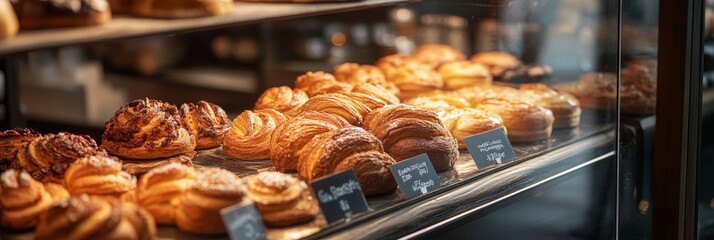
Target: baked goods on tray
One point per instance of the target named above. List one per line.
(47, 158)
(42, 14)
(356, 74)
(465, 122)
(23, 199)
(159, 190)
(339, 105)
(207, 122)
(410, 75)
(460, 74)
(282, 199)
(11, 141)
(99, 175)
(524, 121)
(249, 136)
(181, 8)
(283, 99)
(437, 54)
(565, 107)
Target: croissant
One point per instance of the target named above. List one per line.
(46, 158)
(199, 208)
(23, 200)
(342, 149)
(565, 107)
(282, 200)
(438, 54)
(207, 122)
(159, 190)
(356, 74)
(524, 120)
(283, 99)
(303, 82)
(460, 74)
(328, 86)
(469, 121)
(10, 142)
(93, 217)
(295, 133)
(98, 175)
(339, 105)
(249, 137)
(376, 91)
(407, 131)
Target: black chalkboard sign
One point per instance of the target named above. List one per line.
(243, 222)
(489, 148)
(340, 195)
(415, 176)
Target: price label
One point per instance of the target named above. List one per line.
(243, 222)
(340, 195)
(490, 148)
(415, 176)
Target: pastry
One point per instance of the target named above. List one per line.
(283, 99)
(160, 188)
(328, 86)
(8, 20)
(460, 74)
(303, 82)
(438, 54)
(207, 122)
(413, 78)
(565, 107)
(482, 92)
(99, 175)
(497, 62)
(41, 14)
(281, 199)
(181, 8)
(342, 149)
(199, 208)
(10, 142)
(290, 137)
(46, 158)
(439, 101)
(92, 217)
(407, 131)
(249, 136)
(524, 120)
(466, 122)
(339, 105)
(376, 91)
(121, 6)
(148, 133)
(356, 74)
(22, 200)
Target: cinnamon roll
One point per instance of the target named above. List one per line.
(524, 120)
(303, 82)
(469, 121)
(22, 200)
(10, 142)
(565, 107)
(98, 175)
(159, 190)
(46, 158)
(438, 54)
(460, 74)
(249, 136)
(283, 99)
(282, 200)
(339, 105)
(207, 122)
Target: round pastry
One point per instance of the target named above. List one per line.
(283, 99)
(99, 175)
(290, 137)
(439, 101)
(524, 121)
(497, 62)
(46, 158)
(22, 200)
(346, 148)
(199, 208)
(11, 141)
(330, 86)
(469, 121)
(565, 107)
(57, 191)
(8, 20)
(408, 131)
(41, 14)
(438, 54)
(303, 82)
(479, 93)
(207, 122)
(282, 200)
(249, 137)
(594, 90)
(414, 78)
(376, 91)
(159, 190)
(339, 105)
(460, 74)
(121, 6)
(92, 217)
(181, 8)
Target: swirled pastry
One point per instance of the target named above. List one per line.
(438, 54)
(46, 158)
(283, 99)
(303, 82)
(346, 148)
(93, 217)
(329, 86)
(565, 107)
(408, 131)
(98, 175)
(22, 200)
(524, 120)
(159, 190)
(339, 105)
(199, 208)
(290, 137)
(10, 142)
(469, 121)
(282, 200)
(207, 122)
(460, 74)
(249, 137)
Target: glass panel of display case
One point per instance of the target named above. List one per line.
(705, 191)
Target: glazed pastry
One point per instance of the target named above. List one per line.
(498, 63)
(249, 137)
(282, 200)
(469, 121)
(346, 148)
(407, 131)
(330, 86)
(414, 78)
(159, 190)
(182, 8)
(283, 99)
(10, 142)
(93, 217)
(339, 105)
(41, 14)
(303, 82)
(46, 158)
(438, 54)
(207, 122)
(199, 208)
(22, 200)
(99, 175)
(290, 137)
(460, 74)
(524, 120)
(376, 91)
(565, 107)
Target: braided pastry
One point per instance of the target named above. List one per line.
(294, 134)
(249, 136)
(524, 120)
(469, 121)
(438, 54)
(407, 131)
(283, 99)
(199, 208)
(565, 107)
(11, 141)
(23, 200)
(98, 175)
(159, 190)
(93, 217)
(207, 122)
(346, 148)
(339, 105)
(462, 74)
(303, 82)
(46, 158)
(282, 200)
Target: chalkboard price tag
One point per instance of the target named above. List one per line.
(489, 148)
(243, 222)
(340, 195)
(415, 176)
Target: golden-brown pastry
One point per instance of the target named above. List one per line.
(99, 175)
(46, 158)
(469, 121)
(329, 86)
(249, 137)
(346, 148)
(407, 131)
(159, 190)
(282, 199)
(40, 14)
(356, 74)
(283, 99)
(497, 62)
(207, 122)
(93, 217)
(482, 92)
(438, 54)
(182, 8)
(339, 105)
(303, 82)
(376, 91)
(199, 208)
(460, 74)
(22, 200)
(524, 120)
(439, 101)
(290, 137)
(10, 142)
(8, 20)
(57, 191)
(413, 78)
(565, 107)
(120, 6)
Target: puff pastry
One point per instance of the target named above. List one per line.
(438, 54)
(524, 120)
(356, 74)
(460, 74)
(565, 107)
(46, 158)
(23, 200)
(303, 82)
(282, 200)
(249, 137)
(283, 99)
(207, 122)
(469, 121)
(98, 175)
(376, 91)
(159, 190)
(11, 141)
(329, 86)
(412, 77)
(339, 105)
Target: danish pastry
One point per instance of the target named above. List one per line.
(249, 136)
(303, 82)
(22, 200)
(282, 200)
(46, 158)
(10, 142)
(283, 99)
(339, 105)
(99, 175)
(207, 122)
(160, 188)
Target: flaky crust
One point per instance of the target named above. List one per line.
(565, 107)
(303, 82)
(461, 74)
(339, 105)
(290, 137)
(22, 200)
(207, 122)
(283, 99)
(11, 141)
(181, 8)
(469, 121)
(356, 74)
(282, 200)
(159, 190)
(524, 120)
(98, 175)
(479, 93)
(329, 86)
(376, 91)
(250, 133)
(46, 158)
(147, 129)
(413, 78)
(438, 54)
(346, 148)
